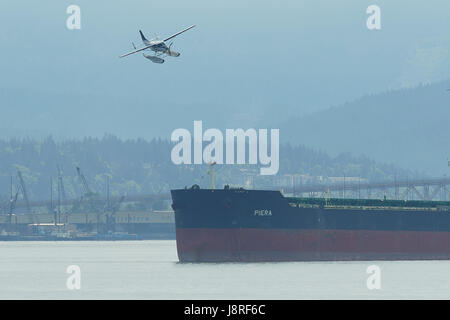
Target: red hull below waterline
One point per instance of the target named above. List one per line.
(253, 245)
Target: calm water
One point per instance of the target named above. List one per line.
(149, 270)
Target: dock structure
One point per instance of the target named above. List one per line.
(145, 224)
(144, 198)
(147, 216)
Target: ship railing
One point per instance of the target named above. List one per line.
(380, 208)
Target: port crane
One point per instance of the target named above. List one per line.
(24, 190)
(92, 204)
(61, 189)
(111, 218)
(13, 201)
(12, 206)
(86, 189)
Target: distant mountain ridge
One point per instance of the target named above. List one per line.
(408, 127)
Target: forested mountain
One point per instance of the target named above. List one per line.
(140, 166)
(409, 127)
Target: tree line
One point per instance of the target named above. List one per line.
(139, 166)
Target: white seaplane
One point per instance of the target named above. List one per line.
(159, 47)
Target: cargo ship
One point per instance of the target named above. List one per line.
(239, 225)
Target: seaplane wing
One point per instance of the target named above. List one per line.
(180, 32)
(158, 46)
(135, 51)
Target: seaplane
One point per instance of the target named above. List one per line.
(160, 48)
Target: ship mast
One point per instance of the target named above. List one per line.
(211, 174)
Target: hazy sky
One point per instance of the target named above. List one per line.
(245, 64)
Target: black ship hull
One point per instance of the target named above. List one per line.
(257, 225)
